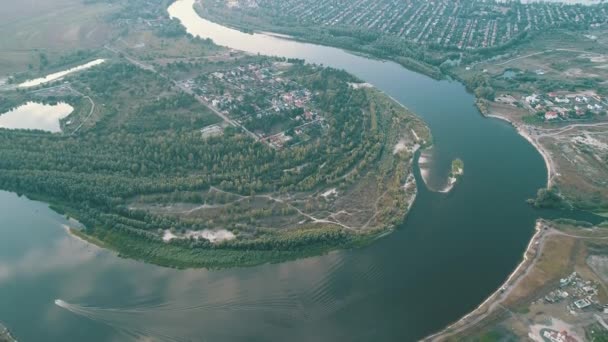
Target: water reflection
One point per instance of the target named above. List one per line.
(34, 115)
(59, 75)
(450, 254)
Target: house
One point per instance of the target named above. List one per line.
(532, 99)
(564, 100)
(582, 303)
(551, 115)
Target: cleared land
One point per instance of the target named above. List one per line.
(52, 28)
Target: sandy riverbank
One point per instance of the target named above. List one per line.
(495, 299)
(523, 131)
(74, 234)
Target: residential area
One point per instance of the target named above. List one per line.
(262, 98)
(561, 106)
(449, 24)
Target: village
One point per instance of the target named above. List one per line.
(564, 106)
(579, 294)
(577, 298)
(448, 24)
(260, 98)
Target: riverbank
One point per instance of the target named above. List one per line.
(489, 306)
(303, 35)
(566, 264)
(5, 334)
(523, 131)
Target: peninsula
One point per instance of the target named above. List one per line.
(226, 159)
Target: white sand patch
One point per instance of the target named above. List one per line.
(415, 135)
(424, 158)
(424, 172)
(207, 234)
(590, 141)
(400, 146)
(403, 146)
(330, 192)
(360, 85)
(449, 186)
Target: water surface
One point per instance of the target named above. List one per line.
(451, 253)
(34, 115)
(59, 75)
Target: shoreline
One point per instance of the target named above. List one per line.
(423, 68)
(75, 234)
(489, 305)
(537, 145)
(492, 301)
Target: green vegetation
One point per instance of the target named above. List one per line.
(596, 333)
(143, 149)
(457, 168)
(547, 198)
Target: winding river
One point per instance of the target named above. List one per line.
(451, 253)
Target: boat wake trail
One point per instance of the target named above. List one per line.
(120, 320)
(196, 313)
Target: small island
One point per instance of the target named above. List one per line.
(456, 172)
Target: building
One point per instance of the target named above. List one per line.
(582, 303)
(551, 115)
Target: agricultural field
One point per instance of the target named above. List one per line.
(37, 34)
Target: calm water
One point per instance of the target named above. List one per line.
(59, 75)
(451, 253)
(33, 115)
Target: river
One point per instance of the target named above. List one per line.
(451, 253)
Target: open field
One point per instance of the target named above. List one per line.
(546, 293)
(54, 28)
(146, 46)
(581, 159)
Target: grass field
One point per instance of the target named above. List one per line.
(53, 27)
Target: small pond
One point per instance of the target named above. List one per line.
(34, 115)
